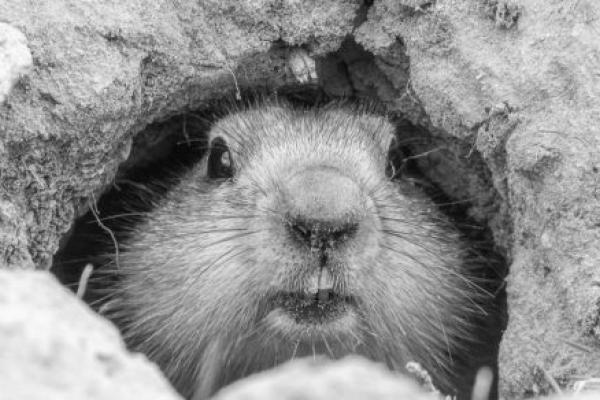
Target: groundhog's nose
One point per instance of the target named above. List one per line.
(323, 207)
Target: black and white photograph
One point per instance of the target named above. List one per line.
(300, 199)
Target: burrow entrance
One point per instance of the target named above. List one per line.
(448, 169)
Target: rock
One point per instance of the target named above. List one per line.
(104, 70)
(15, 58)
(52, 346)
(350, 378)
(517, 81)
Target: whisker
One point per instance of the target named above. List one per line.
(464, 279)
(327, 346)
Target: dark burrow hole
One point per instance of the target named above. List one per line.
(165, 150)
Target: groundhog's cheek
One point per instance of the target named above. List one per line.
(361, 252)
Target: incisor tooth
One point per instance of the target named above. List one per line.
(325, 279)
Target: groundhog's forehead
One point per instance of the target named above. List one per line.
(273, 124)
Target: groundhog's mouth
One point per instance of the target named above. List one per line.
(319, 308)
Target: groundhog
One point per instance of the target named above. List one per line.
(293, 236)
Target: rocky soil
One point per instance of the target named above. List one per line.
(52, 347)
(508, 90)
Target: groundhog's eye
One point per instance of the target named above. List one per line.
(220, 164)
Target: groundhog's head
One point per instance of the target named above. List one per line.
(291, 238)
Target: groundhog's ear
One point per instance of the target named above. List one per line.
(382, 130)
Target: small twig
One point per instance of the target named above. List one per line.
(421, 373)
(83, 280)
(424, 379)
(578, 346)
(425, 153)
(550, 379)
(238, 93)
(184, 129)
(96, 213)
(483, 384)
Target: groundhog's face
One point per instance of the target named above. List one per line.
(291, 239)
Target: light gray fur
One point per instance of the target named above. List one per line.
(195, 274)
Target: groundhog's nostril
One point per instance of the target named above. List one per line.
(322, 206)
(320, 234)
(300, 230)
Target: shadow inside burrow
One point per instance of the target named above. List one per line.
(166, 150)
(160, 155)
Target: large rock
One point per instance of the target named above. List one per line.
(54, 347)
(351, 378)
(517, 81)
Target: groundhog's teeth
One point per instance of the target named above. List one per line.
(313, 285)
(321, 285)
(325, 280)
